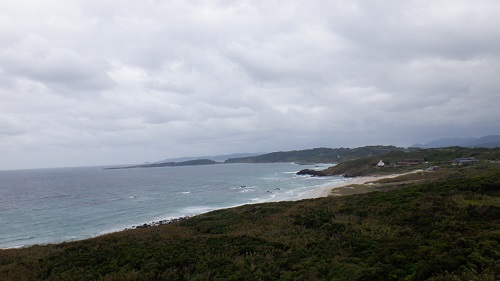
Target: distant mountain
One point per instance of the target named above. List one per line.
(444, 142)
(487, 141)
(217, 158)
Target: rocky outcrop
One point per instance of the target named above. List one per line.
(310, 172)
(158, 223)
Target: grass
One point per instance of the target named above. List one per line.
(441, 157)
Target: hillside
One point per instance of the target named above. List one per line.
(317, 155)
(446, 229)
(397, 161)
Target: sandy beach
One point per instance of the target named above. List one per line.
(342, 188)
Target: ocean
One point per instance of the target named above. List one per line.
(54, 205)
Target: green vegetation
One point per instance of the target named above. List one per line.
(441, 229)
(318, 155)
(441, 157)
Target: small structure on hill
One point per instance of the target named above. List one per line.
(465, 160)
(431, 168)
(380, 163)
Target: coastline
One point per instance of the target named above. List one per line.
(343, 188)
(323, 190)
(137, 198)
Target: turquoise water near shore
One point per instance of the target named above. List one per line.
(55, 205)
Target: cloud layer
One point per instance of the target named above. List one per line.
(102, 82)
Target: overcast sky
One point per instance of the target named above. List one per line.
(113, 82)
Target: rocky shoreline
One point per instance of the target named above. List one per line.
(158, 223)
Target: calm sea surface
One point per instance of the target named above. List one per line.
(54, 205)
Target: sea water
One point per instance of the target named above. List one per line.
(55, 205)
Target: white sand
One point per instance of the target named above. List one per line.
(325, 191)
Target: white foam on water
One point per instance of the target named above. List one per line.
(55, 205)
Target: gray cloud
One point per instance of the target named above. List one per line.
(57, 68)
(87, 82)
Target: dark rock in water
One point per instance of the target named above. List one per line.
(310, 172)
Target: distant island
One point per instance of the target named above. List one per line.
(169, 164)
